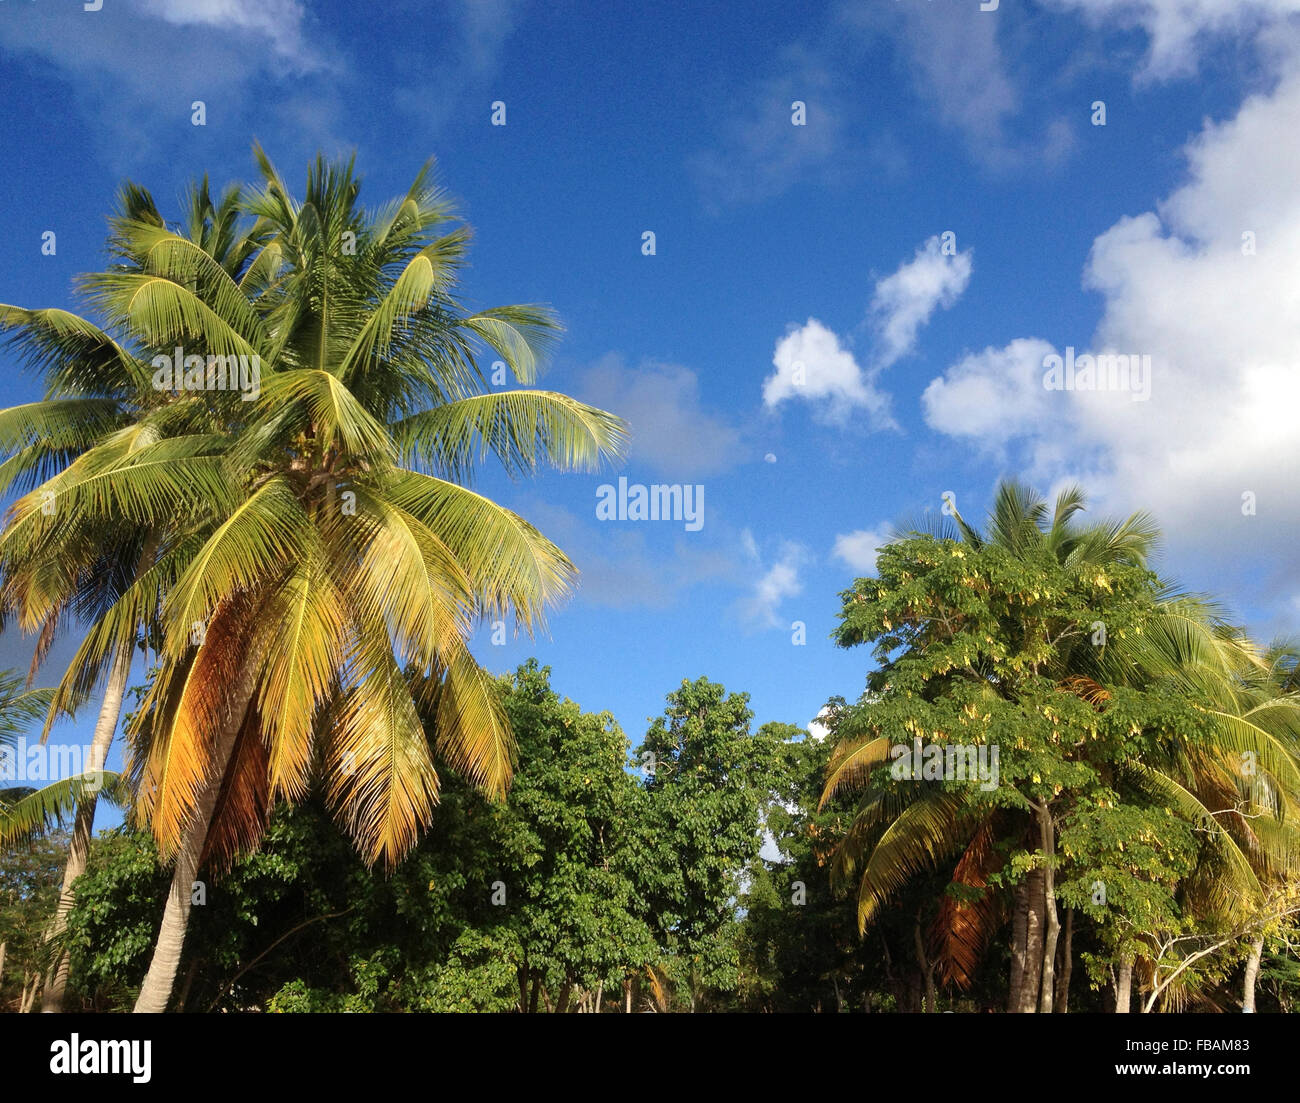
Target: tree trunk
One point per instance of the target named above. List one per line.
(600, 995)
(1124, 986)
(156, 991)
(110, 710)
(1067, 965)
(1029, 985)
(190, 974)
(1019, 936)
(1047, 836)
(930, 1002)
(1252, 971)
(627, 996)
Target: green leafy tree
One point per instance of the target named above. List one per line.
(334, 539)
(1053, 643)
(707, 781)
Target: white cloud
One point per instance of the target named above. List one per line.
(811, 364)
(669, 429)
(904, 301)
(858, 549)
(1223, 331)
(780, 581)
(280, 21)
(1179, 29)
(952, 54)
(991, 394)
(817, 727)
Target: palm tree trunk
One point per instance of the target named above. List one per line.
(1067, 965)
(1252, 972)
(110, 710)
(1124, 986)
(156, 991)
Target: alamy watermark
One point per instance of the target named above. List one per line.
(179, 372)
(945, 762)
(46, 762)
(638, 502)
(1104, 372)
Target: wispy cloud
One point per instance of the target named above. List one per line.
(761, 152)
(906, 300)
(671, 432)
(776, 581)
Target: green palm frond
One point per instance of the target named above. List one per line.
(520, 428)
(52, 806)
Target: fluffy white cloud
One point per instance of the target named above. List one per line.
(858, 549)
(814, 364)
(1219, 314)
(811, 364)
(992, 394)
(904, 301)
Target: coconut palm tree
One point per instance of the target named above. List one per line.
(330, 561)
(899, 830)
(80, 453)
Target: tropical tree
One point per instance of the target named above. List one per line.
(331, 560)
(1052, 642)
(707, 779)
(101, 455)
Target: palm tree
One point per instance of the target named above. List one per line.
(900, 830)
(95, 545)
(331, 559)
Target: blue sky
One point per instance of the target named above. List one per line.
(776, 245)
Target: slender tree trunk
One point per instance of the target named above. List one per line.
(1067, 965)
(1047, 835)
(1019, 937)
(188, 984)
(562, 999)
(600, 995)
(1124, 986)
(1252, 972)
(1029, 986)
(535, 995)
(627, 996)
(930, 1003)
(110, 710)
(156, 991)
